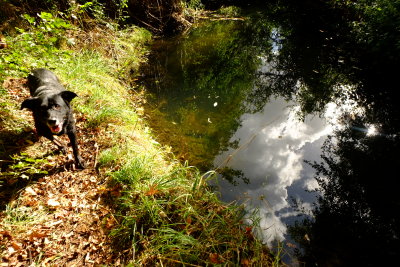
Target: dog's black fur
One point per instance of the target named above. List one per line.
(50, 105)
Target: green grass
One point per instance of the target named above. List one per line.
(19, 218)
(173, 215)
(165, 214)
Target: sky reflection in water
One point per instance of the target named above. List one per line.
(273, 146)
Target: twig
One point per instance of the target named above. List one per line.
(96, 155)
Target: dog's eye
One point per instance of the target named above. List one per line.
(56, 107)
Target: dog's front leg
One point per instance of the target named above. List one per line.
(79, 164)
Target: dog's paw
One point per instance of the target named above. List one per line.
(79, 164)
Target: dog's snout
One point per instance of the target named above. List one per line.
(52, 122)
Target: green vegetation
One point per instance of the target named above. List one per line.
(199, 97)
(25, 167)
(152, 209)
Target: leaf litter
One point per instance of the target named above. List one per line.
(60, 218)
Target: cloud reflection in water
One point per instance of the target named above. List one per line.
(272, 158)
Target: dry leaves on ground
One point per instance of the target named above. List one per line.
(69, 224)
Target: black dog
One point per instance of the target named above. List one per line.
(50, 105)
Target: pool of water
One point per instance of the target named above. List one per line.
(202, 106)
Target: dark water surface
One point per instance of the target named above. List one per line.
(281, 107)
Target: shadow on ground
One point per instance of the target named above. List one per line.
(12, 178)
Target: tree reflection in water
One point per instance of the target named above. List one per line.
(356, 221)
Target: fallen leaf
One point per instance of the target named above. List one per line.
(248, 232)
(74, 203)
(110, 223)
(56, 223)
(31, 202)
(15, 245)
(53, 203)
(152, 190)
(214, 258)
(12, 181)
(30, 191)
(6, 234)
(245, 262)
(11, 250)
(36, 234)
(69, 234)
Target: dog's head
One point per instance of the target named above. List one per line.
(51, 110)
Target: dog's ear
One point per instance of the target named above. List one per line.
(30, 103)
(68, 95)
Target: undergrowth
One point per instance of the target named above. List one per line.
(164, 212)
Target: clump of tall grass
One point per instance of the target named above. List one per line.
(166, 213)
